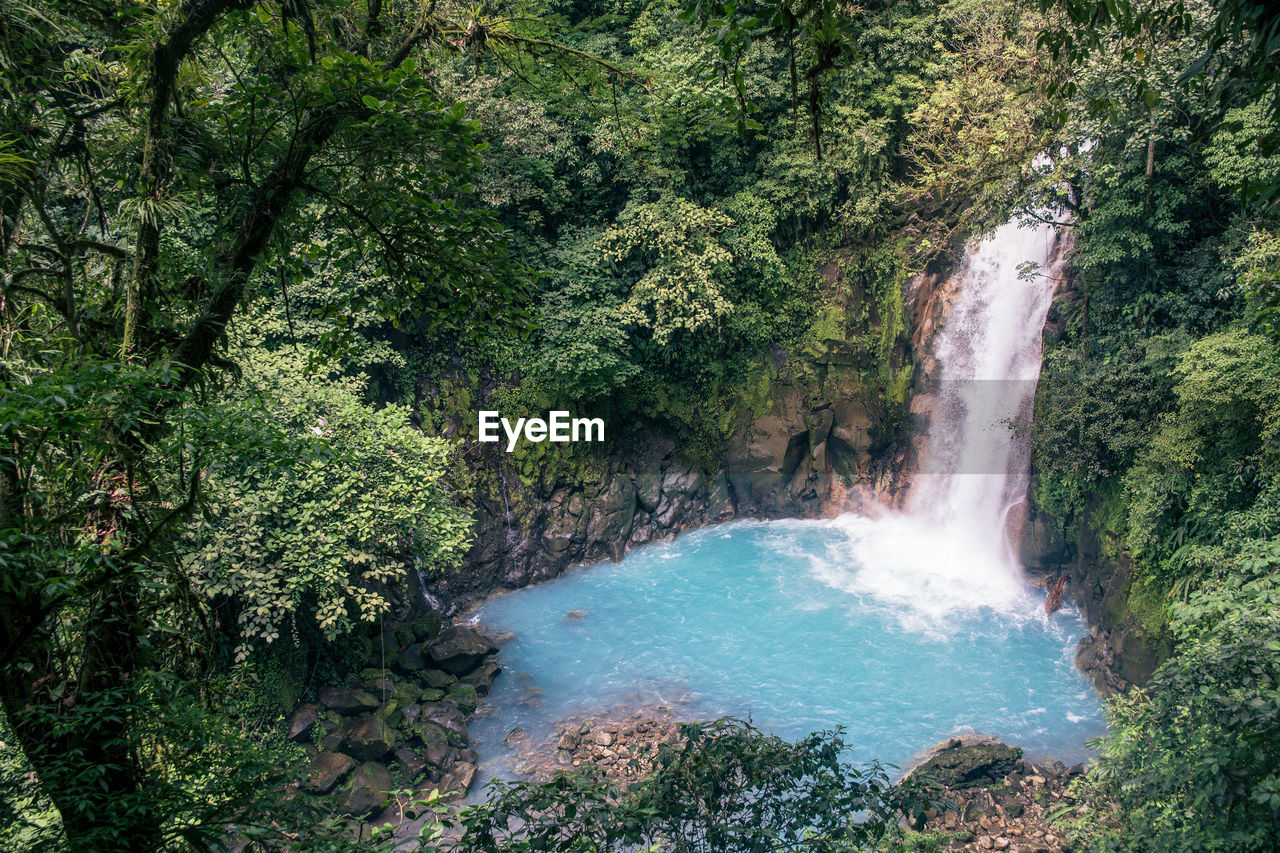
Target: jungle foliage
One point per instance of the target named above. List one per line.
(236, 235)
(1155, 427)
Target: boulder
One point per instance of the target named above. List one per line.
(366, 790)
(958, 765)
(446, 716)
(649, 489)
(440, 755)
(369, 738)
(347, 701)
(377, 681)
(301, 720)
(327, 770)
(412, 762)
(436, 678)
(405, 693)
(334, 731)
(413, 659)
(465, 696)
(458, 779)
(459, 649)
(427, 626)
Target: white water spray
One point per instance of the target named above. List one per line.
(951, 549)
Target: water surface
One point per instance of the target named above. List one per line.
(781, 623)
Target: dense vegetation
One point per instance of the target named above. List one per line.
(1157, 415)
(236, 236)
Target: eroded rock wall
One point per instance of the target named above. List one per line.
(809, 437)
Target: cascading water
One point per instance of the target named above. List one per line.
(951, 548)
(904, 628)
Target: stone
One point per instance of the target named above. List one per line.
(428, 626)
(458, 779)
(602, 738)
(440, 755)
(436, 678)
(430, 694)
(326, 771)
(484, 676)
(465, 696)
(968, 766)
(447, 715)
(301, 720)
(459, 649)
(412, 762)
(413, 659)
(366, 790)
(648, 489)
(377, 681)
(347, 701)
(369, 738)
(564, 757)
(410, 714)
(431, 732)
(405, 693)
(515, 736)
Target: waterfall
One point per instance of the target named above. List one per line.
(951, 549)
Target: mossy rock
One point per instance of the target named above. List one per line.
(405, 693)
(465, 696)
(431, 694)
(436, 678)
(366, 790)
(977, 765)
(426, 628)
(431, 733)
(369, 738)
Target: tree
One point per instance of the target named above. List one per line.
(169, 164)
(1191, 760)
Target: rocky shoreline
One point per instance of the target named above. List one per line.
(621, 743)
(996, 799)
(397, 727)
(993, 798)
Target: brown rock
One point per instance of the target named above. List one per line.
(366, 790)
(369, 738)
(347, 701)
(300, 722)
(327, 770)
(459, 649)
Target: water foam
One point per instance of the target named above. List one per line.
(950, 551)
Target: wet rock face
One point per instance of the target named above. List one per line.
(811, 440)
(403, 720)
(1119, 652)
